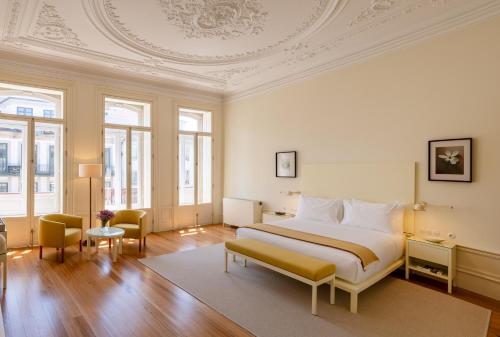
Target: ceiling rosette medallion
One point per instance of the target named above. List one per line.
(222, 19)
(210, 32)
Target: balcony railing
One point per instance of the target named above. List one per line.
(10, 170)
(44, 170)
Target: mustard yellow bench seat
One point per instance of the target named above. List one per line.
(307, 269)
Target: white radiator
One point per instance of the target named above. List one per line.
(241, 212)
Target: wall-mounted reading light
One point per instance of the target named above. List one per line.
(420, 206)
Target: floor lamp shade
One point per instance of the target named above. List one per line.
(90, 170)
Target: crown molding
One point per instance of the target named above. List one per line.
(479, 14)
(102, 78)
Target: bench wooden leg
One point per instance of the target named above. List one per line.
(225, 261)
(314, 299)
(354, 303)
(4, 274)
(332, 291)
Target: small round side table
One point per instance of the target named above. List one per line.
(106, 233)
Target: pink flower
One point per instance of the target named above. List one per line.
(105, 215)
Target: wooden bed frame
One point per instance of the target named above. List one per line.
(376, 182)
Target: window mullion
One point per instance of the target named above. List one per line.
(129, 167)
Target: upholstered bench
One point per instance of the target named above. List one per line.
(307, 269)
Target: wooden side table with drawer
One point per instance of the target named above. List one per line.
(433, 259)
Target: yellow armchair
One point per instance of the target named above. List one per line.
(59, 231)
(133, 222)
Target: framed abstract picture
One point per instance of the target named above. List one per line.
(450, 160)
(286, 164)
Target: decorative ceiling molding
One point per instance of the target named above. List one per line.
(220, 19)
(376, 8)
(51, 26)
(481, 13)
(233, 47)
(14, 8)
(303, 52)
(322, 10)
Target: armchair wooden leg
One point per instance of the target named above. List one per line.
(41, 249)
(144, 244)
(62, 255)
(140, 243)
(109, 243)
(80, 245)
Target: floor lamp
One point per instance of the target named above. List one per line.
(90, 171)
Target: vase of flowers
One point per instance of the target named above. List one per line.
(105, 216)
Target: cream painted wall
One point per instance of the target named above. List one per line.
(385, 109)
(84, 122)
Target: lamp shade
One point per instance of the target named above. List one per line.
(90, 170)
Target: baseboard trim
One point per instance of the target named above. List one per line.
(478, 252)
(478, 271)
(480, 274)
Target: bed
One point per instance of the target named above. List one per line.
(376, 182)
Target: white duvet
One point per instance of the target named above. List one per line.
(387, 247)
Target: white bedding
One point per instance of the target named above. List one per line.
(387, 247)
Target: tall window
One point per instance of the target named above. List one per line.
(31, 150)
(195, 157)
(127, 134)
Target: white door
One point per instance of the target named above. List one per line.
(31, 159)
(14, 187)
(31, 176)
(195, 207)
(128, 156)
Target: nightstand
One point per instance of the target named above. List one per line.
(433, 259)
(270, 216)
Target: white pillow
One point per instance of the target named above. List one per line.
(379, 217)
(319, 209)
(347, 211)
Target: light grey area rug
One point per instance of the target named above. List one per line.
(269, 304)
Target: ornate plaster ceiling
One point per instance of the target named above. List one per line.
(231, 47)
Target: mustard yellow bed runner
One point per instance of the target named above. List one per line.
(364, 254)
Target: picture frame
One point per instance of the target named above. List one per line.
(286, 164)
(450, 160)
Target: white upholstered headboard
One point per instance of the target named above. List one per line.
(376, 182)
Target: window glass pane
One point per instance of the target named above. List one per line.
(48, 168)
(27, 101)
(204, 169)
(13, 172)
(186, 169)
(123, 112)
(141, 169)
(195, 120)
(115, 163)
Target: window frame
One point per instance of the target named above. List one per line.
(6, 168)
(129, 130)
(196, 135)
